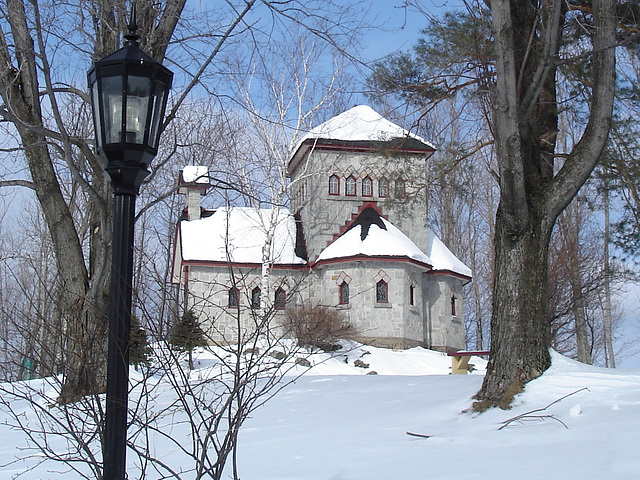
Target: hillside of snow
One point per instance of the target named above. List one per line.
(339, 422)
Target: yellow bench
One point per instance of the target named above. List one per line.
(460, 360)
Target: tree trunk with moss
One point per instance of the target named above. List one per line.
(533, 189)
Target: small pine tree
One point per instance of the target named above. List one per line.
(139, 349)
(187, 335)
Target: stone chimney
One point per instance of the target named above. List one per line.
(193, 182)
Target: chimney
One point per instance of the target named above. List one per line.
(193, 182)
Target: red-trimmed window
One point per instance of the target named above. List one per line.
(255, 298)
(350, 188)
(280, 299)
(344, 293)
(234, 297)
(334, 185)
(383, 187)
(382, 292)
(401, 189)
(367, 187)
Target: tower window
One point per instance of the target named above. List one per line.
(367, 187)
(401, 191)
(382, 292)
(383, 187)
(334, 185)
(412, 295)
(350, 189)
(453, 305)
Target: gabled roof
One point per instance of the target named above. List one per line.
(360, 129)
(238, 234)
(372, 236)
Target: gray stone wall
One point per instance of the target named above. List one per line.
(444, 331)
(395, 321)
(208, 297)
(323, 214)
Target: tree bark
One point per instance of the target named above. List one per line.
(83, 276)
(532, 194)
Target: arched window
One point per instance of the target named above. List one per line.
(383, 187)
(334, 185)
(401, 191)
(344, 293)
(382, 292)
(367, 187)
(453, 305)
(280, 300)
(350, 188)
(255, 297)
(412, 295)
(234, 297)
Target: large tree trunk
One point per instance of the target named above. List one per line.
(532, 192)
(84, 280)
(520, 334)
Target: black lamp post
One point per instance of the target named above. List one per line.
(129, 95)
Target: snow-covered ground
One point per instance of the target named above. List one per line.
(338, 423)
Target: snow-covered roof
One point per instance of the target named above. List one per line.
(442, 258)
(378, 242)
(373, 236)
(361, 128)
(239, 234)
(195, 174)
(358, 124)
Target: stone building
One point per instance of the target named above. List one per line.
(355, 238)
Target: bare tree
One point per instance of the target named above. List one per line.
(49, 117)
(295, 91)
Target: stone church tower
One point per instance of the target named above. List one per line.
(354, 160)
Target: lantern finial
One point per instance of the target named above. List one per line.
(132, 36)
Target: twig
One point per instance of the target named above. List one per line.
(419, 435)
(529, 413)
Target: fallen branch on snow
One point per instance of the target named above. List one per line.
(530, 414)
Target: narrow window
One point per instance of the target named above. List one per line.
(383, 187)
(401, 191)
(234, 296)
(344, 293)
(255, 298)
(382, 292)
(453, 305)
(351, 186)
(334, 185)
(412, 295)
(367, 187)
(280, 300)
